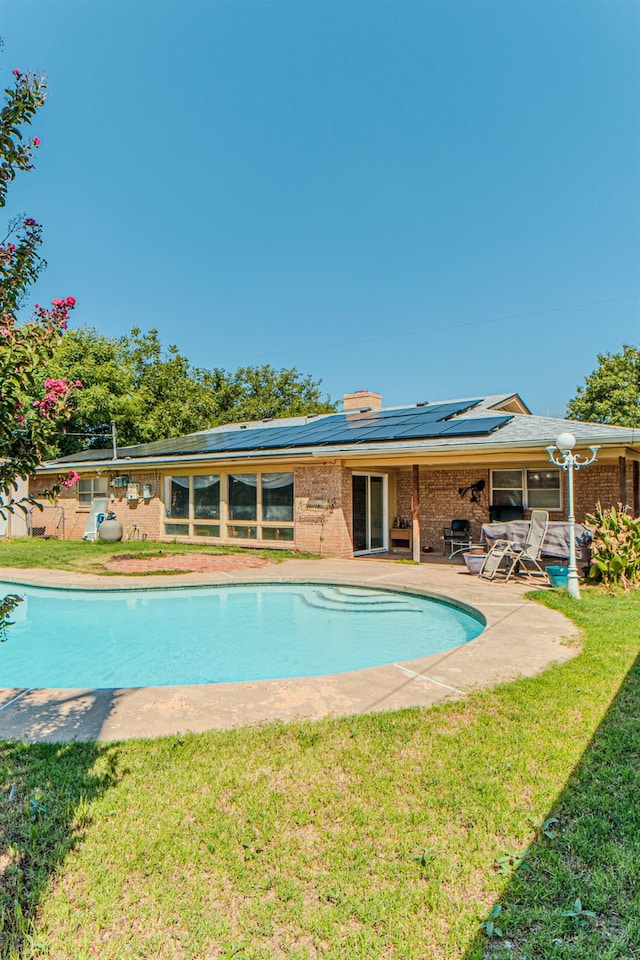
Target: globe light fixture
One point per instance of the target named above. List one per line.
(569, 461)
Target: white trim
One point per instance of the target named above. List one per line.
(385, 512)
(524, 487)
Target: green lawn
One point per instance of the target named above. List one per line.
(383, 836)
(85, 557)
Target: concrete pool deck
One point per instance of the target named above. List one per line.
(521, 638)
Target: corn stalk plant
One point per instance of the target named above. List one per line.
(615, 550)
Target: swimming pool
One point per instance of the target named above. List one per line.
(72, 639)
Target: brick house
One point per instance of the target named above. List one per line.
(359, 481)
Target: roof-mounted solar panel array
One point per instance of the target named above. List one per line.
(351, 428)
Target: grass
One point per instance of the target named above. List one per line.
(391, 835)
(86, 557)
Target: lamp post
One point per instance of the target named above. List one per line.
(570, 462)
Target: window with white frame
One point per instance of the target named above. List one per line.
(529, 489)
(91, 487)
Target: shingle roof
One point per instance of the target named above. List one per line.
(472, 422)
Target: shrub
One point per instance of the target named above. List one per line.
(615, 550)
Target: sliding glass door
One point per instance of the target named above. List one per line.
(369, 512)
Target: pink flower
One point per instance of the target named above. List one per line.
(29, 222)
(78, 383)
(57, 302)
(21, 420)
(70, 301)
(71, 478)
(36, 141)
(16, 73)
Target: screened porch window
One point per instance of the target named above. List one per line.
(236, 506)
(206, 497)
(277, 497)
(243, 496)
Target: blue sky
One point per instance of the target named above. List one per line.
(425, 199)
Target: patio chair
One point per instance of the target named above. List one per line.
(525, 559)
(456, 536)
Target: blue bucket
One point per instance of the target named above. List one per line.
(558, 576)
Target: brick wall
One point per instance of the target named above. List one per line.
(144, 514)
(601, 482)
(327, 530)
(440, 502)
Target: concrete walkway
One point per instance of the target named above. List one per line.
(520, 639)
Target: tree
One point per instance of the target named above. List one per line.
(611, 394)
(253, 393)
(154, 393)
(31, 409)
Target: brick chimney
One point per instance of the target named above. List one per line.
(360, 399)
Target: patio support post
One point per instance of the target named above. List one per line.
(570, 462)
(415, 512)
(622, 479)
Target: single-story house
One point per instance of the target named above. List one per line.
(362, 480)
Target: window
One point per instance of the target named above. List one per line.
(277, 497)
(236, 506)
(91, 487)
(206, 497)
(243, 496)
(178, 500)
(530, 489)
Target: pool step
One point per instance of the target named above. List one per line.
(336, 600)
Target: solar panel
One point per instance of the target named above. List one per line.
(335, 429)
(473, 426)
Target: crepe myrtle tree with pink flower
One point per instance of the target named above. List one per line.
(32, 411)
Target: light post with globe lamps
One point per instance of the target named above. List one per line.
(570, 462)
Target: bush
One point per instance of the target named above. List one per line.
(615, 550)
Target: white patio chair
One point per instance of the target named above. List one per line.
(524, 560)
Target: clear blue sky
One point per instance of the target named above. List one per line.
(367, 191)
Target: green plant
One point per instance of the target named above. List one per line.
(579, 915)
(512, 860)
(615, 550)
(489, 925)
(544, 825)
(425, 856)
(7, 606)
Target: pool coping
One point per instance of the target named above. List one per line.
(520, 638)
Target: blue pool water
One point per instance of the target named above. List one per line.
(135, 638)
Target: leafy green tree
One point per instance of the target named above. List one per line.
(254, 393)
(154, 393)
(611, 394)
